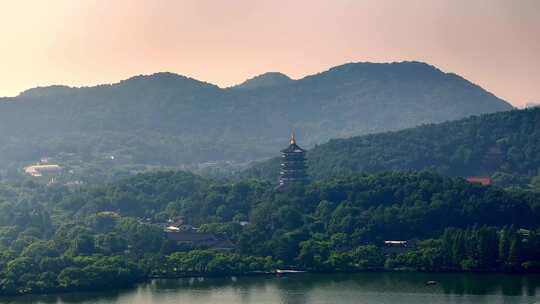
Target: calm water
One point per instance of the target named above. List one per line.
(363, 288)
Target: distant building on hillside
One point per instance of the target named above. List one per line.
(187, 234)
(397, 246)
(40, 170)
(293, 166)
(483, 180)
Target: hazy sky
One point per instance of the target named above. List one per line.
(494, 43)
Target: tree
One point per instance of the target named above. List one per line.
(504, 245)
(18, 267)
(487, 248)
(39, 249)
(515, 252)
(535, 182)
(72, 277)
(368, 257)
(82, 244)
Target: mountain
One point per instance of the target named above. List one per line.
(266, 80)
(503, 145)
(170, 120)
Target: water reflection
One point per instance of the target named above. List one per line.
(75, 298)
(317, 288)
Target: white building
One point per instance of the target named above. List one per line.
(40, 170)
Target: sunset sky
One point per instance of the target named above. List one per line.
(494, 43)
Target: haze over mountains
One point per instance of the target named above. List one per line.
(166, 119)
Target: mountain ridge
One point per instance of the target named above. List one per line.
(169, 119)
(266, 80)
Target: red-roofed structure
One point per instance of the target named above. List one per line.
(483, 180)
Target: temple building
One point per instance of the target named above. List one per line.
(293, 166)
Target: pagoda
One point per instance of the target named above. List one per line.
(293, 166)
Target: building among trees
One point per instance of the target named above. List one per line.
(293, 166)
(40, 170)
(191, 236)
(483, 180)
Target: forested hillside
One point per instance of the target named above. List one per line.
(167, 120)
(58, 239)
(504, 145)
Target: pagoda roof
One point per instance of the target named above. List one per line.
(293, 148)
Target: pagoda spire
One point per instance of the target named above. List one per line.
(293, 165)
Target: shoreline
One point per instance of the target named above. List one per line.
(149, 279)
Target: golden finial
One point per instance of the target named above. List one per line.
(293, 139)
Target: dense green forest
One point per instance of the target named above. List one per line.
(505, 146)
(55, 238)
(170, 121)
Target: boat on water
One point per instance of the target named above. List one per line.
(283, 272)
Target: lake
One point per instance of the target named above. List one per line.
(360, 288)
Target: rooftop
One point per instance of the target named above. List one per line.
(483, 180)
